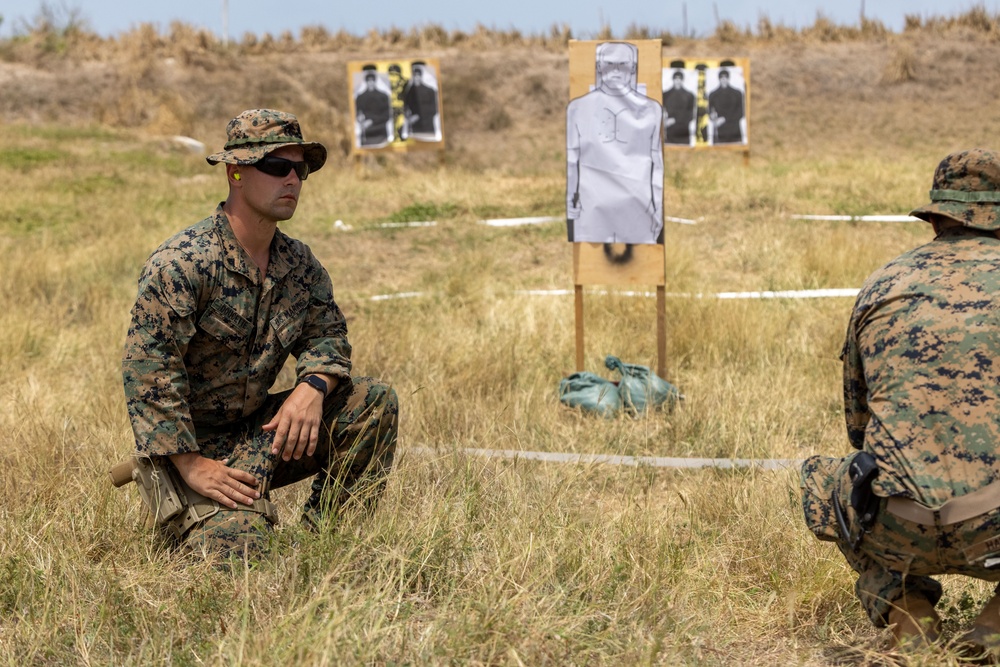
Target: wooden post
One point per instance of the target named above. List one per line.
(661, 331)
(578, 295)
(646, 266)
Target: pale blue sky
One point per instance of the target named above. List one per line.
(585, 17)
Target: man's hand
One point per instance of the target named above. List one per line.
(297, 422)
(214, 479)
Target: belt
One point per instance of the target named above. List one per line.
(953, 511)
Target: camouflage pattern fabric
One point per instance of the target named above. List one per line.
(922, 369)
(256, 132)
(351, 462)
(921, 389)
(897, 556)
(966, 189)
(208, 337)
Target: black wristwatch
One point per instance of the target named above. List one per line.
(316, 383)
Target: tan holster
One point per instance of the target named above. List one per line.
(174, 505)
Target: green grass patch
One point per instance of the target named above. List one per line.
(21, 159)
(424, 211)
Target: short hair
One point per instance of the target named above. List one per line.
(678, 74)
(370, 76)
(723, 73)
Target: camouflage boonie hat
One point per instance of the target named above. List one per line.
(256, 132)
(966, 189)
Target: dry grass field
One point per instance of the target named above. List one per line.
(468, 560)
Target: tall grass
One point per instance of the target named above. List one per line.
(467, 560)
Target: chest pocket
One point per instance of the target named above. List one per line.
(288, 324)
(223, 323)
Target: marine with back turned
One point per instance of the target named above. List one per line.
(921, 496)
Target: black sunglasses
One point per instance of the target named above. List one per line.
(279, 166)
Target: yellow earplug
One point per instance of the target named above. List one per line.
(236, 176)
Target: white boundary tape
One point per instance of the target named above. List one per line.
(788, 294)
(538, 220)
(567, 292)
(859, 218)
(516, 222)
(426, 223)
(633, 461)
(397, 295)
(784, 294)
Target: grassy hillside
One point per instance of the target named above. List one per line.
(827, 90)
(468, 560)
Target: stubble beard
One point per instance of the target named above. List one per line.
(283, 209)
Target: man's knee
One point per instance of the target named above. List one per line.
(379, 395)
(372, 401)
(368, 423)
(229, 533)
(384, 406)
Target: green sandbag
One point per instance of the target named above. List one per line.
(590, 392)
(641, 389)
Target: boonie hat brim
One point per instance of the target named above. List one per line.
(314, 154)
(256, 132)
(980, 216)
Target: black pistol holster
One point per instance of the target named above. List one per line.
(862, 471)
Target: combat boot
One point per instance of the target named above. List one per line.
(984, 637)
(914, 622)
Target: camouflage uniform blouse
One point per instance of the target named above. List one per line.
(207, 339)
(922, 369)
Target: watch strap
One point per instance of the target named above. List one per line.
(316, 383)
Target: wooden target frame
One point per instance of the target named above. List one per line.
(618, 264)
(381, 67)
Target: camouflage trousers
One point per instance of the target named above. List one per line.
(355, 452)
(896, 556)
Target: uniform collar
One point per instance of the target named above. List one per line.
(281, 260)
(956, 231)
